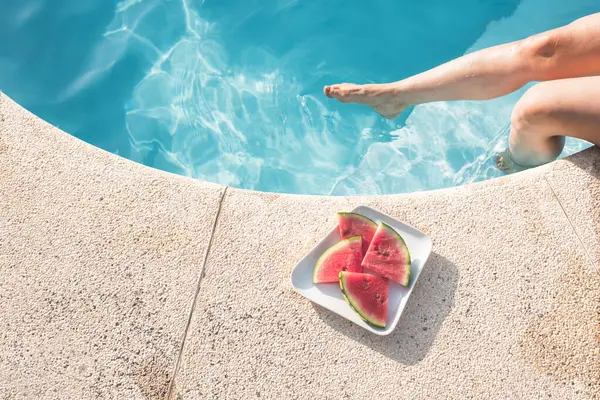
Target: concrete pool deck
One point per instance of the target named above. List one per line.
(121, 281)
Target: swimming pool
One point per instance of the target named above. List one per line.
(230, 91)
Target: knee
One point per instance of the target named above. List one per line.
(533, 110)
(536, 121)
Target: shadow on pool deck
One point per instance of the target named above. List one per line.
(430, 303)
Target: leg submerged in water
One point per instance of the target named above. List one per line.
(567, 59)
(547, 113)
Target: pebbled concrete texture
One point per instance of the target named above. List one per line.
(507, 307)
(99, 263)
(576, 182)
(100, 260)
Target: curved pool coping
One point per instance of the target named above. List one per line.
(122, 281)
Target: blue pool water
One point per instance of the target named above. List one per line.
(230, 91)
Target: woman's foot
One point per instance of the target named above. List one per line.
(507, 164)
(381, 98)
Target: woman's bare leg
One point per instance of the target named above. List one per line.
(483, 75)
(567, 52)
(547, 113)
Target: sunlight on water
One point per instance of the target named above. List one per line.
(230, 91)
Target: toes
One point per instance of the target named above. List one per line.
(333, 91)
(500, 162)
(506, 164)
(340, 91)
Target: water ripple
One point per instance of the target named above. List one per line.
(250, 117)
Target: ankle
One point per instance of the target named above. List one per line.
(401, 93)
(529, 158)
(376, 90)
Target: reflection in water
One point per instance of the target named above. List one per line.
(230, 91)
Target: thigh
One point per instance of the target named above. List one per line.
(566, 107)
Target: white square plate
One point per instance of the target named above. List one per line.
(330, 296)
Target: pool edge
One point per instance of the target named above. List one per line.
(37, 155)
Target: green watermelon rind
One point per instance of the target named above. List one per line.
(359, 216)
(332, 249)
(402, 244)
(356, 309)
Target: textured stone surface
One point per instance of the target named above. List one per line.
(100, 259)
(507, 306)
(99, 263)
(576, 182)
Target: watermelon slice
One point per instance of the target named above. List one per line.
(343, 256)
(388, 255)
(352, 224)
(367, 295)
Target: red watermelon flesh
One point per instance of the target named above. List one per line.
(345, 255)
(367, 295)
(388, 255)
(352, 224)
